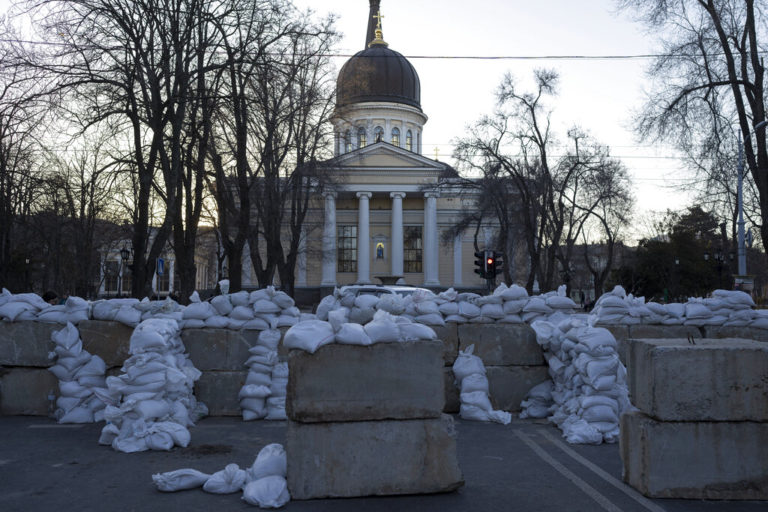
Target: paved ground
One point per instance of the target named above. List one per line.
(524, 466)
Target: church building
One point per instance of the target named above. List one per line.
(388, 214)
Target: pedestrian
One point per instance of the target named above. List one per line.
(51, 297)
(582, 298)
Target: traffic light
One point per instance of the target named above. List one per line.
(497, 267)
(480, 264)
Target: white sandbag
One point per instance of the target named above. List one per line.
(53, 315)
(77, 415)
(360, 316)
(449, 308)
(466, 364)
(471, 412)
(431, 319)
(492, 310)
(286, 321)
(267, 492)
(269, 358)
(697, 310)
(513, 307)
(338, 317)
(276, 408)
(511, 319)
(253, 391)
(537, 305)
(327, 304)
(217, 322)
(579, 431)
(128, 315)
(179, 433)
(456, 319)
(309, 335)
(179, 480)
(477, 399)
(383, 328)
(256, 324)
(240, 298)
(558, 302)
(228, 480)
(283, 300)
(416, 331)
(198, 311)
(271, 461)
(265, 306)
(256, 406)
(476, 382)
(12, 310)
(242, 313)
(258, 379)
(427, 307)
(269, 338)
(468, 310)
(514, 292)
(391, 303)
(366, 300)
(352, 334)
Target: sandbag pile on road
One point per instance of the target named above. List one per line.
(80, 375)
(257, 388)
(263, 484)
(151, 403)
(589, 390)
(469, 371)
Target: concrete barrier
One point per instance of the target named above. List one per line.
(26, 343)
(695, 460)
(730, 331)
(25, 391)
(508, 385)
(218, 390)
(362, 383)
(713, 380)
(502, 344)
(368, 458)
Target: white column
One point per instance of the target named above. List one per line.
(329, 241)
(457, 263)
(397, 233)
(170, 275)
(301, 263)
(363, 239)
(430, 240)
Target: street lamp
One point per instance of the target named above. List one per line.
(124, 255)
(742, 252)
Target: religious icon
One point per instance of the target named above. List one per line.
(379, 251)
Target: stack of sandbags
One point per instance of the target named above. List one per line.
(21, 307)
(257, 388)
(263, 484)
(277, 392)
(276, 308)
(735, 307)
(79, 374)
(152, 401)
(124, 311)
(589, 382)
(197, 314)
(469, 371)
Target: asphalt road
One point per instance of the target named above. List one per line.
(524, 466)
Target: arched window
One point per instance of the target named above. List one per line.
(378, 134)
(361, 138)
(348, 141)
(395, 137)
(409, 140)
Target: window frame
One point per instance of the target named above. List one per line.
(346, 248)
(395, 136)
(413, 257)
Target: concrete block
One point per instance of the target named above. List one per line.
(219, 389)
(695, 460)
(110, 341)
(24, 391)
(502, 344)
(26, 343)
(713, 380)
(728, 331)
(655, 331)
(208, 348)
(369, 458)
(449, 335)
(356, 383)
(508, 385)
(452, 401)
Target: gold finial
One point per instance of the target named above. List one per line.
(436, 153)
(379, 39)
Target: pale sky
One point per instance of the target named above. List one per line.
(597, 95)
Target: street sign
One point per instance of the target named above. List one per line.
(160, 266)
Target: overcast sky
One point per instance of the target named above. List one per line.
(599, 95)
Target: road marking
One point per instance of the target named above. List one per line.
(55, 425)
(567, 473)
(642, 500)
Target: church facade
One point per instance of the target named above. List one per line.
(388, 214)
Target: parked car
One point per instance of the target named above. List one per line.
(379, 290)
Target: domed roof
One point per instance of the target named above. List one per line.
(378, 74)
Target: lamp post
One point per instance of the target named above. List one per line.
(124, 255)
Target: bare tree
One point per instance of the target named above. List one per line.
(557, 196)
(709, 86)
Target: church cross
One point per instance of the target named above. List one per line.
(378, 16)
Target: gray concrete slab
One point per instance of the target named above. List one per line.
(502, 344)
(45, 466)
